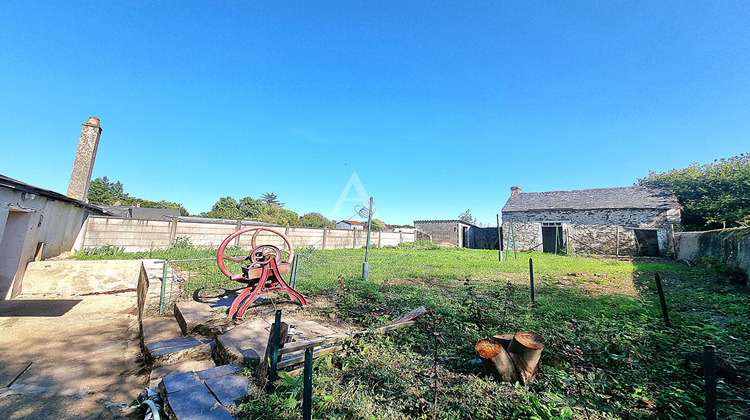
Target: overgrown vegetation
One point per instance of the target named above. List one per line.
(608, 354)
(714, 195)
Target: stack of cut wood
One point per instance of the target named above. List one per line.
(512, 357)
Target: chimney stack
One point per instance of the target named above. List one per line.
(515, 191)
(84, 162)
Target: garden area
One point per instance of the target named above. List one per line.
(608, 353)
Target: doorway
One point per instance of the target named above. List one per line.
(11, 245)
(464, 237)
(647, 242)
(552, 237)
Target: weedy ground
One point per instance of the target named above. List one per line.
(608, 353)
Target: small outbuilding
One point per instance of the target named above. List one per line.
(627, 221)
(34, 224)
(350, 224)
(458, 234)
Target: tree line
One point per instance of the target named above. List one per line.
(713, 196)
(267, 208)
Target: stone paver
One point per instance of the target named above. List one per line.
(219, 371)
(178, 349)
(179, 382)
(228, 389)
(245, 344)
(196, 403)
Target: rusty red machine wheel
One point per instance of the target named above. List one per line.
(263, 272)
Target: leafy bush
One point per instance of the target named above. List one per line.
(102, 251)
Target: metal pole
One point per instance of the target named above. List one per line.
(307, 382)
(366, 264)
(709, 358)
(507, 247)
(295, 267)
(663, 301)
(499, 240)
(513, 229)
(275, 348)
(163, 287)
(531, 278)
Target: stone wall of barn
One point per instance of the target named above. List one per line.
(602, 231)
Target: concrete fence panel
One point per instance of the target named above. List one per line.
(137, 235)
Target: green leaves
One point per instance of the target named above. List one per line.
(713, 195)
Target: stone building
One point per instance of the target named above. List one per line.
(458, 234)
(628, 221)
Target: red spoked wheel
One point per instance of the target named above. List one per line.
(221, 254)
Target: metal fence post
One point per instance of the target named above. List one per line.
(275, 348)
(307, 390)
(662, 300)
(163, 287)
(709, 358)
(531, 279)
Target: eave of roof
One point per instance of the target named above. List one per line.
(17, 185)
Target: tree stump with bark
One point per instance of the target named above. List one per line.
(512, 357)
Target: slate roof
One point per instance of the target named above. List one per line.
(443, 221)
(636, 197)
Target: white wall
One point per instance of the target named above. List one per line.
(146, 235)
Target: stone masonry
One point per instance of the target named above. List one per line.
(88, 143)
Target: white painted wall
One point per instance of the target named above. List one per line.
(146, 235)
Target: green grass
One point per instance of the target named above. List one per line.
(608, 354)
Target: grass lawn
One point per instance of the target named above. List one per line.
(608, 354)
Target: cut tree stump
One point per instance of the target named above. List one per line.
(512, 357)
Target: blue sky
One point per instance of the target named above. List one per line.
(438, 106)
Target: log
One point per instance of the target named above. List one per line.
(525, 350)
(496, 360)
(413, 314)
(512, 357)
(504, 339)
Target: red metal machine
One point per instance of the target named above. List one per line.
(263, 273)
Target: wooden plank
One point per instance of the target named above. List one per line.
(316, 343)
(300, 359)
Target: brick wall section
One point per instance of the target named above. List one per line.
(592, 231)
(145, 235)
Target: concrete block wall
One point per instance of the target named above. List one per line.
(731, 246)
(146, 235)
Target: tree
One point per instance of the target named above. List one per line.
(271, 199)
(467, 217)
(714, 195)
(225, 208)
(315, 220)
(105, 193)
(378, 224)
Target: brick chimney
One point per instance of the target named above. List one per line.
(84, 163)
(515, 191)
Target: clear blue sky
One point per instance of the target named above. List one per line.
(438, 106)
